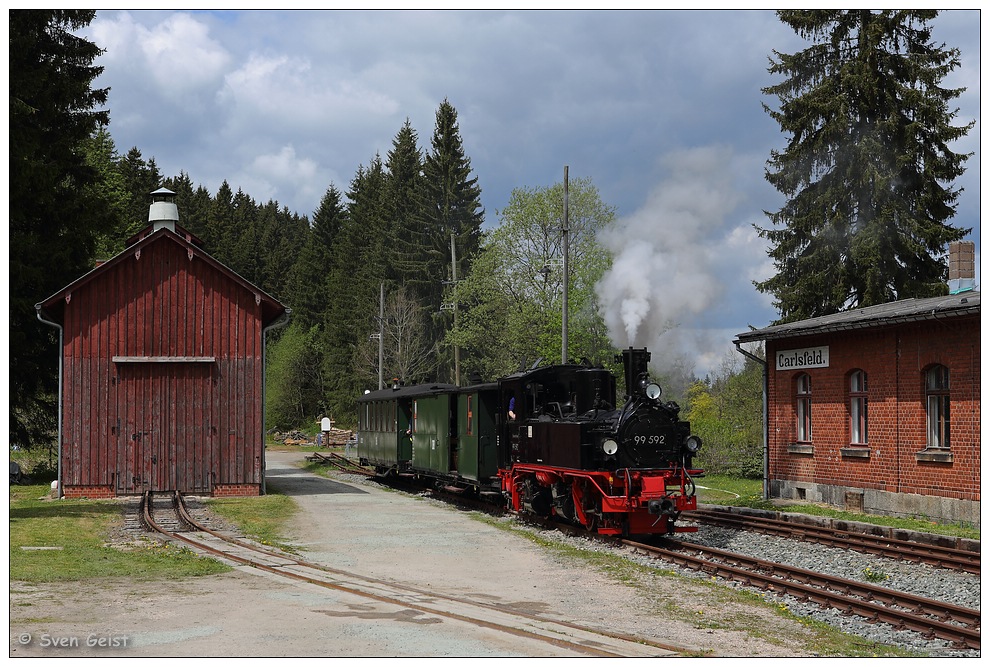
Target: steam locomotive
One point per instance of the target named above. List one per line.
(550, 441)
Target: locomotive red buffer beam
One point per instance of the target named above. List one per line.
(638, 502)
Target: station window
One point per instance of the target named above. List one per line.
(802, 399)
(937, 406)
(858, 410)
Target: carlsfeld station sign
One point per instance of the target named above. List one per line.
(808, 357)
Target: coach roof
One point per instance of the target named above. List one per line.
(412, 391)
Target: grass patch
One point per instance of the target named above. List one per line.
(723, 490)
(259, 517)
(74, 535)
(921, 525)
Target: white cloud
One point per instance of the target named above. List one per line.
(269, 174)
(175, 56)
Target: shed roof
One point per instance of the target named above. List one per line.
(886, 314)
(54, 305)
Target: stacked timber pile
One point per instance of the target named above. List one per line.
(333, 437)
(337, 436)
(292, 438)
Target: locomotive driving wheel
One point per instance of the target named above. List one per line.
(536, 498)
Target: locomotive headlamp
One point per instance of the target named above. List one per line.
(692, 443)
(610, 447)
(653, 390)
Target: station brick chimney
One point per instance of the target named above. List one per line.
(962, 266)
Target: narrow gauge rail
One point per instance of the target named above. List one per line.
(562, 634)
(898, 549)
(341, 463)
(931, 618)
(904, 611)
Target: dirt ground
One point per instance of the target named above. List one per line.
(374, 531)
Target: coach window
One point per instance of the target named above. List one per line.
(469, 430)
(937, 406)
(803, 405)
(857, 408)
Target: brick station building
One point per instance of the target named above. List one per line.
(877, 409)
(161, 376)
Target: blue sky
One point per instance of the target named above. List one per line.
(661, 109)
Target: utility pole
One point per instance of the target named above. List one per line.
(381, 337)
(564, 231)
(453, 276)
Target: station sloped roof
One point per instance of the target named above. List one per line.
(886, 314)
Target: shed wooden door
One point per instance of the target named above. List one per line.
(166, 432)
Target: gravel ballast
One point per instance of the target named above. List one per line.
(941, 584)
(959, 588)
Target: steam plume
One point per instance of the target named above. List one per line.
(662, 271)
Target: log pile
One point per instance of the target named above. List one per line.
(292, 438)
(333, 437)
(337, 436)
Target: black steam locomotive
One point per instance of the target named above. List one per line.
(551, 441)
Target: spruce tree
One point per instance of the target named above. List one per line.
(141, 177)
(404, 181)
(219, 222)
(243, 238)
(450, 204)
(194, 203)
(357, 271)
(309, 282)
(55, 212)
(867, 170)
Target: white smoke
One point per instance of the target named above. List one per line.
(662, 275)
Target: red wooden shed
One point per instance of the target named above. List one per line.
(161, 370)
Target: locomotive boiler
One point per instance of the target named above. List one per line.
(551, 441)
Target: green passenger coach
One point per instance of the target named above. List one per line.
(433, 430)
(400, 427)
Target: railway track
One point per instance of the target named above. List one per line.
(341, 463)
(932, 618)
(889, 547)
(168, 516)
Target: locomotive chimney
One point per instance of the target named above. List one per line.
(635, 362)
(163, 211)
